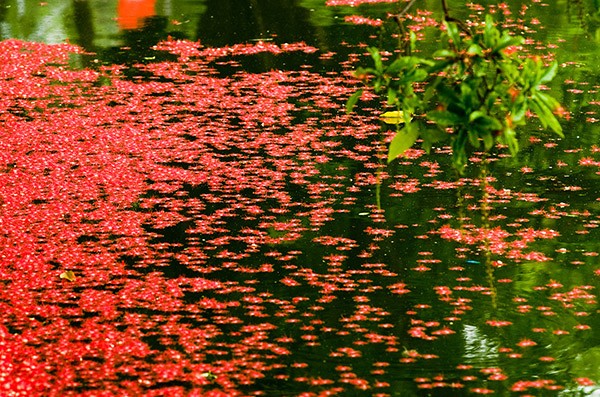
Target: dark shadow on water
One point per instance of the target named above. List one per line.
(228, 22)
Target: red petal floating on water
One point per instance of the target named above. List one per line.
(498, 323)
(526, 343)
(360, 20)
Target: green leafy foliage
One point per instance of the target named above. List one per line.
(475, 89)
(403, 140)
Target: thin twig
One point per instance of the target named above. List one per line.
(461, 25)
(445, 8)
(405, 10)
(397, 17)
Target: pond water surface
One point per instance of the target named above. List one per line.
(186, 209)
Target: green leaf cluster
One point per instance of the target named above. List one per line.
(475, 91)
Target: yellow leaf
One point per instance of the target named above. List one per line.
(393, 117)
(68, 275)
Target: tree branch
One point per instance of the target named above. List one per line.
(461, 25)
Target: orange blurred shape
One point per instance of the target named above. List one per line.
(131, 14)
